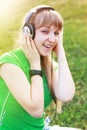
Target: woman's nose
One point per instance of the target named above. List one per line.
(52, 37)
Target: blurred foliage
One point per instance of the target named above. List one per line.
(74, 13)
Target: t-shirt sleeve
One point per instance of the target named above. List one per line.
(8, 58)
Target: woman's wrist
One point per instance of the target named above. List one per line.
(35, 72)
(35, 67)
(61, 55)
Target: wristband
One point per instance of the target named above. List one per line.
(35, 72)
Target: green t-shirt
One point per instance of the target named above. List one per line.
(12, 114)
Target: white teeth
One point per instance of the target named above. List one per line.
(47, 46)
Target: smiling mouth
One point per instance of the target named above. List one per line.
(48, 46)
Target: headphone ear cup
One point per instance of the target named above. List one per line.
(32, 30)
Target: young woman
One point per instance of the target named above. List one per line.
(29, 78)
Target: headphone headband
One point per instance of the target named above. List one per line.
(29, 27)
(34, 10)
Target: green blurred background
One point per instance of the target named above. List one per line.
(74, 13)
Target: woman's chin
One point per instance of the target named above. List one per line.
(45, 54)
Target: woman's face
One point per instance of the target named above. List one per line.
(46, 38)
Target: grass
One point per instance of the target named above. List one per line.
(75, 43)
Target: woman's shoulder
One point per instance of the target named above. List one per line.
(15, 56)
(7, 57)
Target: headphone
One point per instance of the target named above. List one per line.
(29, 27)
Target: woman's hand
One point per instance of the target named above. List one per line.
(31, 52)
(59, 45)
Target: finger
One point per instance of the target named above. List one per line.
(24, 43)
(23, 39)
(30, 43)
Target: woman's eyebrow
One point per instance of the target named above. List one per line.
(57, 29)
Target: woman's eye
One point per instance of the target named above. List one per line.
(56, 33)
(45, 31)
